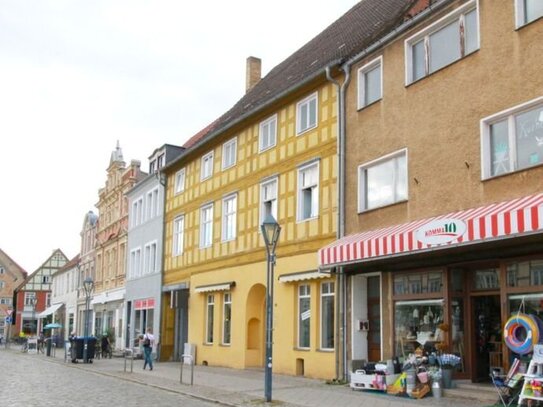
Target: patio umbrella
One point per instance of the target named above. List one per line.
(52, 326)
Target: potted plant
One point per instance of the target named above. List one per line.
(448, 362)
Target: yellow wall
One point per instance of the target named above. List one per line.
(243, 259)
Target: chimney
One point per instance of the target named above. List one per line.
(253, 72)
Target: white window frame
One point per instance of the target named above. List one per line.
(362, 74)
(305, 295)
(137, 211)
(273, 202)
(2, 270)
(151, 201)
(210, 311)
(29, 295)
(328, 293)
(361, 180)
(229, 217)
(203, 226)
(180, 181)
(135, 262)
(306, 102)
(150, 258)
(227, 300)
(520, 14)
(266, 135)
(455, 15)
(233, 145)
(509, 115)
(315, 192)
(178, 235)
(207, 165)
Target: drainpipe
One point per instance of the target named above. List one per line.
(163, 180)
(341, 357)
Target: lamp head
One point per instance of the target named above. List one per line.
(88, 286)
(270, 231)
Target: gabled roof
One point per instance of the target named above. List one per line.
(351, 33)
(358, 28)
(12, 266)
(69, 265)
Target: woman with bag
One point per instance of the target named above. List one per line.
(148, 342)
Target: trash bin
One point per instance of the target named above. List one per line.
(48, 347)
(79, 344)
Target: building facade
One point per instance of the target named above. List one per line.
(280, 162)
(443, 204)
(87, 268)
(275, 152)
(33, 296)
(64, 291)
(144, 250)
(111, 239)
(11, 276)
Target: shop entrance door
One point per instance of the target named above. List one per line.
(486, 336)
(374, 318)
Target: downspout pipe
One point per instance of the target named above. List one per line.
(163, 181)
(341, 317)
(341, 308)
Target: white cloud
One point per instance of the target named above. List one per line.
(75, 76)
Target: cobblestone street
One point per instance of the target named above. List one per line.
(33, 380)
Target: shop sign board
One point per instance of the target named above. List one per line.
(441, 231)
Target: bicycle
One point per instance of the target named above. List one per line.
(24, 346)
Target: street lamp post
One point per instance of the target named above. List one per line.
(270, 231)
(88, 286)
(34, 302)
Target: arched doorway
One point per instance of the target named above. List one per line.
(254, 354)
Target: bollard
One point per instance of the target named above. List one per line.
(129, 352)
(191, 359)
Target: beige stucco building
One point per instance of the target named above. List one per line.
(111, 239)
(444, 175)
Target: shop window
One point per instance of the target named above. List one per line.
(524, 274)
(416, 325)
(531, 304)
(327, 315)
(304, 315)
(486, 279)
(418, 283)
(227, 318)
(209, 318)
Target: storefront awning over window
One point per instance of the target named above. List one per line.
(506, 219)
(48, 311)
(215, 287)
(306, 275)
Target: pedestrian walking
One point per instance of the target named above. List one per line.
(73, 350)
(148, 342)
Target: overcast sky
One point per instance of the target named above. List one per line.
(78, 75)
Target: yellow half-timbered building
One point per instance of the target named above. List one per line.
(274, 152)
(281, 161)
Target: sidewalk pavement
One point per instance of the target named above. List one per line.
(236, 388)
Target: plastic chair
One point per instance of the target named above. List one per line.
(508, 386)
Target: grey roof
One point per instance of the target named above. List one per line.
(355, 30)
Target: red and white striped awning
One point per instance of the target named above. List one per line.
(505, 219)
